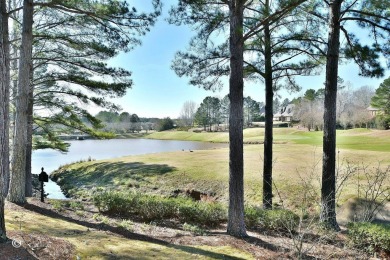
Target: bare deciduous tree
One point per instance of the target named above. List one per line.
(187, 113)
(310, 113)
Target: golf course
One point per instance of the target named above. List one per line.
(79, 227)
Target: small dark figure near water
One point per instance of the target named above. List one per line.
(43, 177)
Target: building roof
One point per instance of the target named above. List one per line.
(287, 111)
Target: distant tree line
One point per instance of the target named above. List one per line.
(121, 123)
(351, 108)
(213, 113)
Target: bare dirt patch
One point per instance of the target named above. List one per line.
(35, 246)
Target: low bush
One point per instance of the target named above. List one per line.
(183, 128)
(59, 205)
(370, 237)
(277, 219)
(155, 208)
(198, 231)
(252, 216)
(126, 225)
(202, 213)
(148, 207)
(76, 205)
(112, 202)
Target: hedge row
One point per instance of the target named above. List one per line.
(149, 208)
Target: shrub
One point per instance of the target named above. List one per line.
(61, 205)
(252, 216)
(58, 204)
(148, 207)
(277, 219)
(165, 124)
(283, 125)
(112, 202)
(202, 213)
(280, 219)
(370, 237)
(126, 225)
(155, 208)
(183, 128)
(194, 229)
(382, 122)
(101, 218)
(76, 205)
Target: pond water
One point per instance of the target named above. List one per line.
(105, 149)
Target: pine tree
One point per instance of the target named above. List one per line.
(272, 38)
(369, 15)
(283, 39)
(227, 17)
(4, 113)
(381, 100)
(206, 62)
(70, 62)
(77, 57)
(16, 192)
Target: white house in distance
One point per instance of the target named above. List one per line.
(285, 114)
(374, 111)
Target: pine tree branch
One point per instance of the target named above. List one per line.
(347, 9)
(366, 21)
(350, 44)
(385, 18)
(255, 69)
(271, 18)
(17, 9)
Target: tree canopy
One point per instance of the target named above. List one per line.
(381, 100)
(73, 40)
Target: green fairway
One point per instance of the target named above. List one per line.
(357, 139)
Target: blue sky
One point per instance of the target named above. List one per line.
(159, 92)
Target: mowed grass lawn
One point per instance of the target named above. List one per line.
(358, 139)
(297, 156)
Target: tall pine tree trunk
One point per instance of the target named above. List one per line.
(236, 225)
(4, 113)
(5, 100)
(30, 109)
(14, 80)
(268, 135)
(328, 188)
(18, 176)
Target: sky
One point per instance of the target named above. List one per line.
(158, 92)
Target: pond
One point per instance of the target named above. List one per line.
(105, 149)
